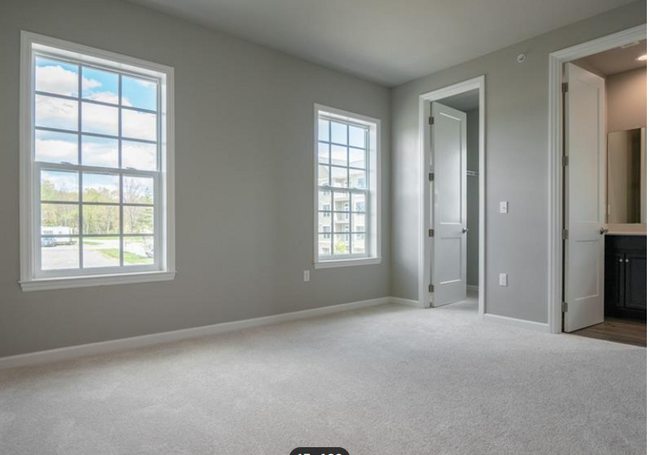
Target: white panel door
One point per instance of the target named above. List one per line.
(584, 197)
(449, 136)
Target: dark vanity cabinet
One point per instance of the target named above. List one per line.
(625, 276)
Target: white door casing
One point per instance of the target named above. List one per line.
(449, 160)
(584, 187)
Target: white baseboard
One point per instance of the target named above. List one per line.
(407, 302)
(72, 352)
(514, 322)
(473, 288)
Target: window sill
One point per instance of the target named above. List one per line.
(46, 284)
(346, 263)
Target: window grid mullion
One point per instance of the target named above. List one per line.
(79, 173)
(119, 165)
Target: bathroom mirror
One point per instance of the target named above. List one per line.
(626, 177)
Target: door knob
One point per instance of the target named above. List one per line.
(603, 231)
(465, 230)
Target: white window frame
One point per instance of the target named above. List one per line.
(31, 276)
(373, 229)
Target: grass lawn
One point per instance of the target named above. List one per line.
(129, 258)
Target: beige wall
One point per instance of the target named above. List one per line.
(626, 100)
(516, 165)
(244, 176)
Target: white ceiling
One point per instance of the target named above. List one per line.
(386, 41)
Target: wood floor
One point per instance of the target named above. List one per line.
(627, 331)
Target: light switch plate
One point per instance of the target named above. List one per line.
(503, 279)
(305, 276)
(503, 207)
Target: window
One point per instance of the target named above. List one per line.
(347, 188)
(96, 160)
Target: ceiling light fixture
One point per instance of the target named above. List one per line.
(642, 58)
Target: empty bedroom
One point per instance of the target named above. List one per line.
(303, 227)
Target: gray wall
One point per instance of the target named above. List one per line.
(626, 100)
(244, 195)
(516, 168)
(472, 198)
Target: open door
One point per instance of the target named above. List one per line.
(584, 199)
(449, 274)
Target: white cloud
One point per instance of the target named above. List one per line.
(99, 119)
(99, 153)
(104, 97)
(56, 112)
(56, 151)
(139, 156)
(139, 125)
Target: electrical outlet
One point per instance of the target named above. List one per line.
(503, 279)
(305, 276)
(503, 207)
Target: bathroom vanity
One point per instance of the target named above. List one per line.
(625, 275)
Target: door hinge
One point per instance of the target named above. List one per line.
(431, 120)
(431, 287)
(565, 307)
(565, 234)
(565, 87)
(565, 160)
(431, 176)
(431, 232)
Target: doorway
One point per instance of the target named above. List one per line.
(585, 247)
(452, 197)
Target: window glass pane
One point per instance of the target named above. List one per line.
(101, 188)
(323, 153)
(359, 222)
(139, 93)
(138, 125)
(324, 222)
(57, 77)
(323, 175)
(341, 201)
(138, 250)
(59, 186)
(341, 222)
(101, 251)
(357, 137)
(137, 190)
(54, 147)
(56, 113)
(99, 119)
(101, 219)
(324, 200)
(339, 155)
(59, 253)
(341, 244)
(358, 179)
(358, 158)
(138, 220)
(98, 85)
(325, 245)
(139, 155)
(358, 202)
(358, 243)
(339, 177)
(60, 220)
(99, 151)
(323, 130)
(339, 133)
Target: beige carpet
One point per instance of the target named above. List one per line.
(384, 380)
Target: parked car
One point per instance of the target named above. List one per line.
(48, 241)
